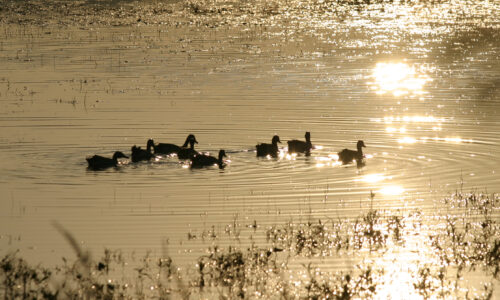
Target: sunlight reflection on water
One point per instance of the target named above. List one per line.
(392, 190)
(399, 79)
(371, 178)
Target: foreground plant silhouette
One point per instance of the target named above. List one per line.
(286, 265)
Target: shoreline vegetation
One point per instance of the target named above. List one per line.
(411, 253)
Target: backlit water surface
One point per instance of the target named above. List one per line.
(420, 86)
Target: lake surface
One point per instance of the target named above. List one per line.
(420, 84)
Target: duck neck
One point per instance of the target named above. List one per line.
(360, 151)
(308, 142)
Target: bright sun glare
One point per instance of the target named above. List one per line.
(398, 78)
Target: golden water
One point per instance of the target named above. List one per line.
(421, 90)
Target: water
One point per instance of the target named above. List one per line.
(420, 88)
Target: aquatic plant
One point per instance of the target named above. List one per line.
(284, 266)
(341, 286)
(467, 242)
(321, 239)
(22, 281)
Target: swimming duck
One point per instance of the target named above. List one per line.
(296, 146)
(139, 154)
(162, 148)
(185, 152)
(347, 156)
(269, 149)
(202, 160)
(98, 162)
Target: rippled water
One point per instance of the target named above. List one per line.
(421, 89)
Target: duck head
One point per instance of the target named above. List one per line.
(190, 140)
(361, 144)
(150, 144)
(222, 154)
(118, 155)
(276, 140)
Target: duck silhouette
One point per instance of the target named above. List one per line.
(269, 149)
(163, 148)
(139, 154)
(202, 160)
(296, 146)
(98, 162)
(188, 152)
(348, 156)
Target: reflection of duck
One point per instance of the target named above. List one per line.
(185, 152)
(360, 163)
(296, 146)
(163, 148)
(347, 155)
(269, 149)
(98, 162)
(202, 160)
(139, 154)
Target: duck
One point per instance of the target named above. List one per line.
(296, 146)
(98, 162)
(188, 152)
(202, 160)
(269, 149)
(347, 155)
(163, 148)
(139, 154)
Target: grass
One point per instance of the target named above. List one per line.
(289, 264)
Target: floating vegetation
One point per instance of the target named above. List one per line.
(218, 13)
(286, 265)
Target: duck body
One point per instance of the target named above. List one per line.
(348, 156)
(202, 160)
(98, 162)
(188, 152)
(165, 148)
(139, 154)
(296, 146)
(269, 149)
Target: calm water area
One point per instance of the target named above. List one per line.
(420, 84)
